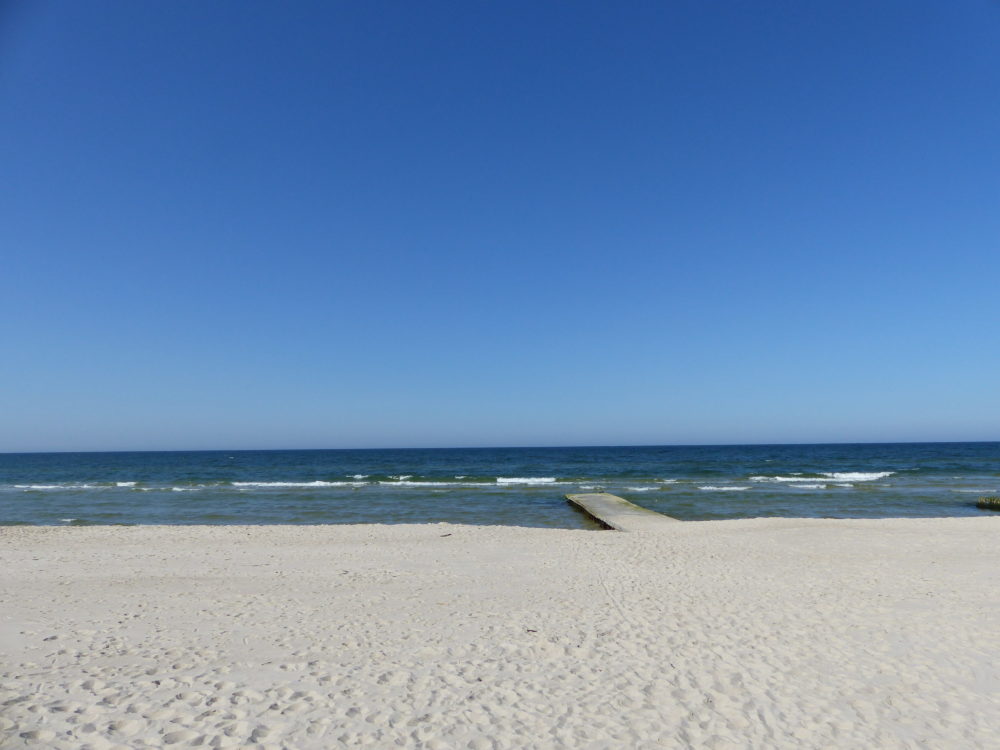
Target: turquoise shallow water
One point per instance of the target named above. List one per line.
(513, 486)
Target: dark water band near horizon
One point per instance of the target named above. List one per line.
(504, 486)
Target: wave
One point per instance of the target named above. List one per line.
(58, 486)
(403, 481)
(359, 476)
(526, 480)
(429, 483)
(838, 476)
(500, 481)
(728, 488)
(857, 476)
(317, 483)
(647, 488)
(810, 486)
(73, 486)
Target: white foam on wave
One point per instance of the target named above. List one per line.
(727, 488)
(57, 486)
(359, 476)
(317, 483)
(526, 480)
(401, 477)
(125, 484)
(782, 479)
(844, 484)
(646, 488)
(185, 489)
(810, 486)
(67, 520)
(429, 483)
(841, 476)
(857, 476)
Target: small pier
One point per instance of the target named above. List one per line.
(619, 514)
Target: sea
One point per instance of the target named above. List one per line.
(495, 486)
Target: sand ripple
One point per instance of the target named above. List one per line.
(777, 633)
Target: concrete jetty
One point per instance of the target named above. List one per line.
(619, 514)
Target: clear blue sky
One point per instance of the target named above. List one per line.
(364, 224)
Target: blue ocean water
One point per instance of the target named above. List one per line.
(511, 486)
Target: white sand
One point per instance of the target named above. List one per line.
(763, 634)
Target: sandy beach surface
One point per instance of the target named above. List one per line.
(732, 634)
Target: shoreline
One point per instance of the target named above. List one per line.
(774, 632)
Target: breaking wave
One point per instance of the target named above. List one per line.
(526, 480)
(837, 476)
(857, 476)
(317, 483)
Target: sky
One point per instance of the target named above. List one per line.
(397, 224)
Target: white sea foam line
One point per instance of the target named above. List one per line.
(57, 486)
(317, 483)
(642, 489)
(710, 488)
(844, 476)
(857, 476)
(403, 483)
(185, 489)
(401, 477)
(359, 476)
(810, 486)
(526, 480)
(125, 484)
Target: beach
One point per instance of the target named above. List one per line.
(760, 633)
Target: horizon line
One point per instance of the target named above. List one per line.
(512, 447)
